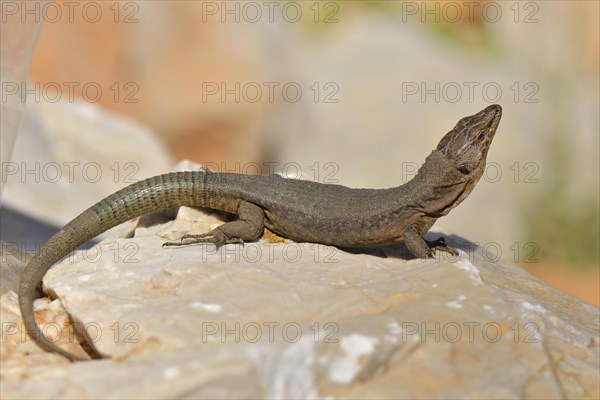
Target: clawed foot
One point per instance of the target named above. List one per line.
(440, 245)
(215, 237)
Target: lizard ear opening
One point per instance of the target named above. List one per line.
(463, 169)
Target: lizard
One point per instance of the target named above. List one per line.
(299, 210)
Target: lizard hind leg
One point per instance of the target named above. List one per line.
(248, 228)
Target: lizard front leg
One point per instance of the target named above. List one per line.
(248, 228)
(422, 248)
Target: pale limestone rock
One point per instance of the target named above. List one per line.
(301, 320)
(71, 154)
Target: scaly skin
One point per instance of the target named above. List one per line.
(302, 211)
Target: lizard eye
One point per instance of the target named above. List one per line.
(463, 169)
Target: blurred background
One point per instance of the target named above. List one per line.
(348, 92)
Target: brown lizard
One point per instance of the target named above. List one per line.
(299, 210)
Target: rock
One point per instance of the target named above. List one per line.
(72, 154)
(19, 36)
(299, 320)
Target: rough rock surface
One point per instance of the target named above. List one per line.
(290, 320)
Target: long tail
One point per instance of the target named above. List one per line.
(153, 194)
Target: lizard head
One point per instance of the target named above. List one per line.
(466, 146)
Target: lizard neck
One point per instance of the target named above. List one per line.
(438, 186)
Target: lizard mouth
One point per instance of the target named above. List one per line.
(494, 113)
(491, 119)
